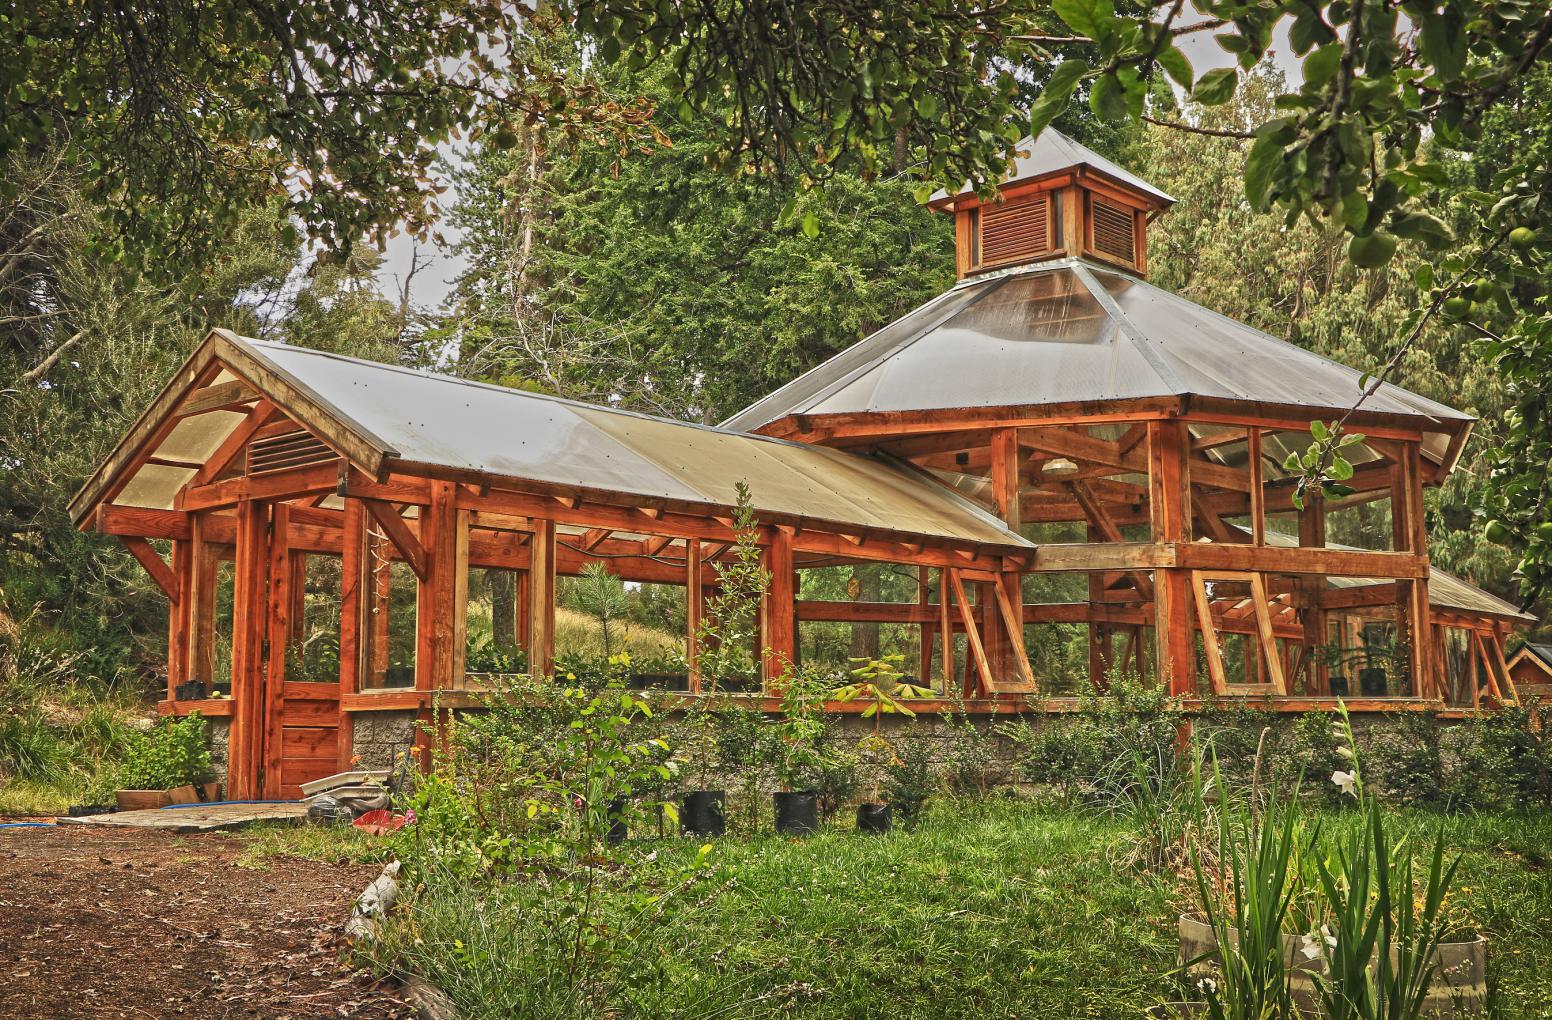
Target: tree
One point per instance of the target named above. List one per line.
(185, 113)
(85, 347)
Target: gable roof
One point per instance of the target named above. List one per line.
(390, 418)
(1052, 153)
(1072, 332)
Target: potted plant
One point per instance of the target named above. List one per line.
(724, 643)
(880, 684)
(795, 751)
(169, 765)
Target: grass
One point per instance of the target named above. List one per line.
(330, 843)
(997, 908)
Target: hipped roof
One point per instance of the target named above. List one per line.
(1052, 153)
(1071, 332)
(389, 418)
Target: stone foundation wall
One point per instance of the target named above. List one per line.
(220, 730)
(379, 737)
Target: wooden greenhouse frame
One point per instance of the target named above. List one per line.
(1184, 550)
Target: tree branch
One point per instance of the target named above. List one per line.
(36, 373)
(1175, 125)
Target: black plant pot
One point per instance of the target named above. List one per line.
(1338, 685)
(797, 814)
(874, 817)
(660, 681)
(618, 829)
(1373, 682)
(702, 813)
(191, 690)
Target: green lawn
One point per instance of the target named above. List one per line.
(989, 909)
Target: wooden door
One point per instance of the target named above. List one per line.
(302, 690)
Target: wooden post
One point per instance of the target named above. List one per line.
(1257, 490)
(541, 599)
(201, 656)
(1169, 490)
(248, 626)
(355, 576)
(1410, 534)
(946, 628)
(178, 618)
(778, 614)
(283, 577)
(439, 621)
(1312, 535)
(695, 610)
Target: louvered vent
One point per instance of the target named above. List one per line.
(287, 450)
(1015, 231)
(1114, 231)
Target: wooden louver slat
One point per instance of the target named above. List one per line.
(1114, 231)
(1015, 231)
(288, 450)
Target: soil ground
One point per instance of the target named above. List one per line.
(126, 923)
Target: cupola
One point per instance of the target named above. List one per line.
(1058, 199)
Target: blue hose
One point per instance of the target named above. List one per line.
(26, 825)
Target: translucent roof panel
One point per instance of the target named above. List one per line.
(1070, 332)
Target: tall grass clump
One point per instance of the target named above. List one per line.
(61, 731)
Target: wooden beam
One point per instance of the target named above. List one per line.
(398, 532)
(154, 565)
(273, 485)
(1007, 590)
(216, 397)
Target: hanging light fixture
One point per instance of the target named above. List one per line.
(1059, 466)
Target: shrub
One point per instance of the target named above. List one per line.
(175, 753)
(1406, 762)
(911, 778)
(1516, 745)
(1312, 753)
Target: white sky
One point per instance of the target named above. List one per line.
(434, 282)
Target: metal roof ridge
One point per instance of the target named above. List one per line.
(1138, 339)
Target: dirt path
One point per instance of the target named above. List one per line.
(105, 923)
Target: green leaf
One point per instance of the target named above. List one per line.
(1085, 17)
(1444, 44)
(1175, 64)
(1422, 226)
(1264, 159)
(1216, 87)
(1108, 99)
(810, 225)
(1321, 65)
(1057, 93)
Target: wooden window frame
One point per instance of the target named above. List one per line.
(1265, 633)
